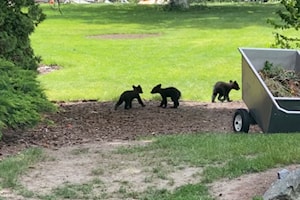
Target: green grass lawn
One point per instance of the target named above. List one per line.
(193, 49)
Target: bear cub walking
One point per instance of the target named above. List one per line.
(223, 89)
(129, 95)
(172, 92)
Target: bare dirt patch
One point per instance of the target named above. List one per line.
(124, 36)
(45, 69)
(247, 186)
(84, 163)
(95, 129)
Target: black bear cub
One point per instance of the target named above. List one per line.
(129, 95)
(172, 92)
(223, 89)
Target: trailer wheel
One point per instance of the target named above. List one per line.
(241, 121)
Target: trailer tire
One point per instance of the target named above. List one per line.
(241, 120)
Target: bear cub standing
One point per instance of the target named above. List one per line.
(172, 92)
(129, 95)
(223, 89)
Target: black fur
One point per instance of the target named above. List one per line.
(129, 95)
(223, 89)
(172, 92)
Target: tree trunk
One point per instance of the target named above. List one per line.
(182, 3)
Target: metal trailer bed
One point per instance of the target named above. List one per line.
(272, 114)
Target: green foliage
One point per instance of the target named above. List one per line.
(290, 20)
(22, 99)
(281, 82)
(17, 21)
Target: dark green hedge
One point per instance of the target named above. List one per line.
(22, 100)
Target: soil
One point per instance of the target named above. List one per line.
(97, 127)
(83, 122)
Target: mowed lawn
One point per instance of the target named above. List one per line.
(190, 50)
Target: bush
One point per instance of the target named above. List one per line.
(22, 98)
(289, 21)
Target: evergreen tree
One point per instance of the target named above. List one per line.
(18, 19)
(21, 98)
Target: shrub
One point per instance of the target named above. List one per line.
(289, 20)
(22, 98)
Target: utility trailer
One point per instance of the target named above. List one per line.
(272, 114)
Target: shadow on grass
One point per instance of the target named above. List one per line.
(219, 16)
